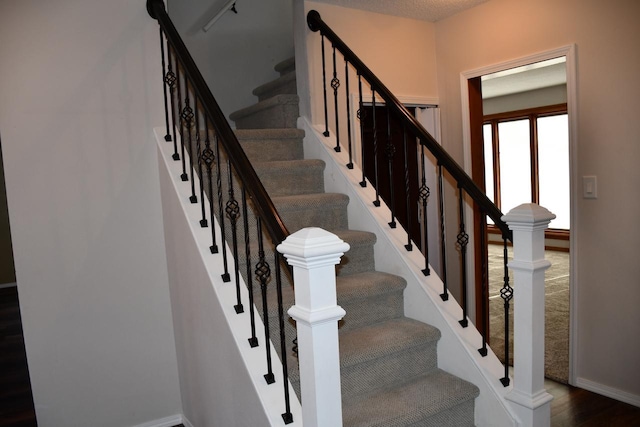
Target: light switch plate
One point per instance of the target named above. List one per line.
(590, 187)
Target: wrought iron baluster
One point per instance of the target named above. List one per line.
(170, 79)
(423, 193)
(462, 241)
(188, 116)
(263, 273)
(361, 115)
(506, 293)
(253, 341)
(376, 202)
(391, 151)
(167, 136)
(184, 175)
(335, 84)
(405, 154)
(324, 88)
(346, 81)
(203, 222)
(232, 209)
(287, 416)
(208, 157)
(485, 283)
(443, 234)
(223, 237)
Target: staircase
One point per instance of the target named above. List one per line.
(389, 370)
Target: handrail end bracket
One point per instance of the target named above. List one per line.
(313, 20)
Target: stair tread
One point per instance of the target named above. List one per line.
(411, 403)
(367, 284)
(286, 65)
(276, 133)
(274, 84)
(263, 105)
(392, 336)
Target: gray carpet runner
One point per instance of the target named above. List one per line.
(389, 369)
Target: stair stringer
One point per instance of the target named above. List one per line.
(221, 376)
(458, 347)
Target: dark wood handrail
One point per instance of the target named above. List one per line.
(266, 209)
(463, 180)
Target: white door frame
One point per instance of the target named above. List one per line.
(568, 51)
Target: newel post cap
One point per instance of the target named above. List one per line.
(313, 247)
(528, 215)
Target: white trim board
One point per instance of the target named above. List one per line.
(170, 421)
(569, 51)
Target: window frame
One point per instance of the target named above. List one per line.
(532, 114)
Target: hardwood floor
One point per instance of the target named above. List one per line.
(571, 407)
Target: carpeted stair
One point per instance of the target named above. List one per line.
(389, 370)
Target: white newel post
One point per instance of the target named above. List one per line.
(530, 399)
(314, 253)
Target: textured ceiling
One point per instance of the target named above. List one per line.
(426, 10)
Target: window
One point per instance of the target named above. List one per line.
(527, 160)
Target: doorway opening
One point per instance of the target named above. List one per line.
(518, 148)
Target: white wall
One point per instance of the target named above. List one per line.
(606, 230)
(80, 84)
(239, 52)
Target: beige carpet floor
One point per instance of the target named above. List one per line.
(556, 311)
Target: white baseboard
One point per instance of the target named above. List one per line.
(611, 392)
(8, 285)
(171, 421)
(186, 422)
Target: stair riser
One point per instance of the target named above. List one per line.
(366, 378)
(292, 181)
(332, 217)
(363, 312)
(277, 116)
(358, 259)
(287, 87)
(271, 150)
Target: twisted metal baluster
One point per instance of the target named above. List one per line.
(423, 194)
(208, 157)
(287, 416)
(263, 273)
(443, 235)
(506, 293)
(184, 175)
(253, 341)
(462, 241)
(232, 209)
(324, 88)
(391, 151)
(335, 84)
(361, 115)
(167, 136)
(346, 80)
(170, 79)
(188, 116)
